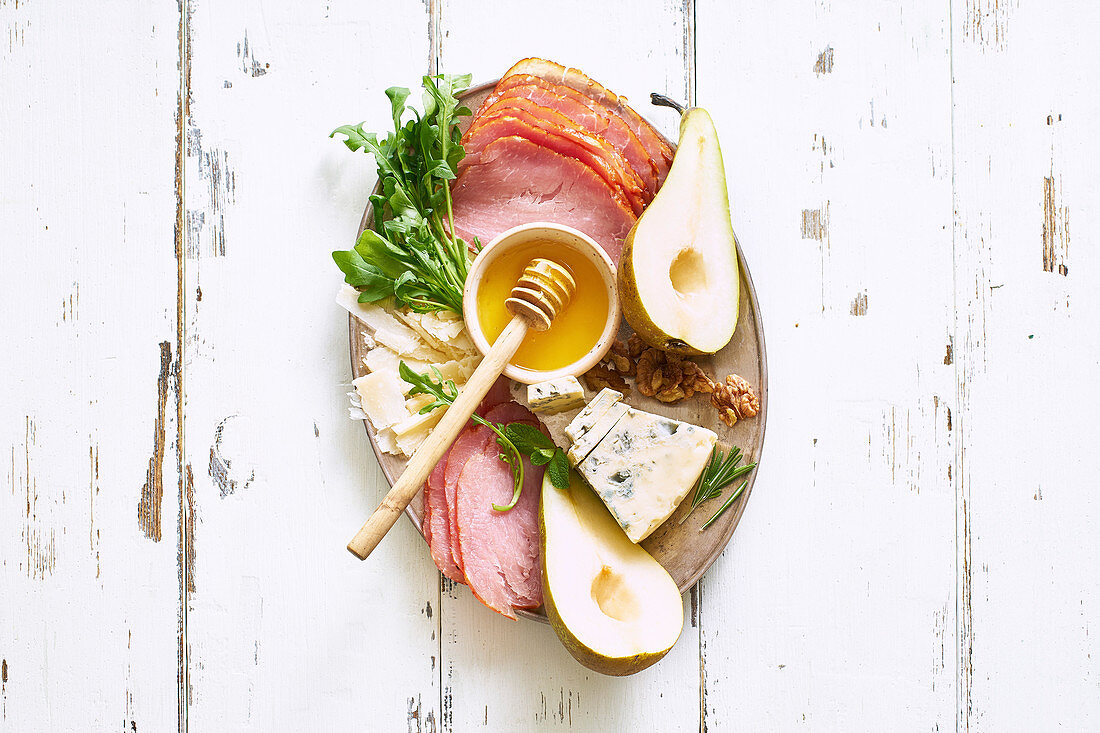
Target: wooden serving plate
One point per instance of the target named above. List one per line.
(681, 548)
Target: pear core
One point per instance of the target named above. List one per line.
(688, 272)
(613, 595)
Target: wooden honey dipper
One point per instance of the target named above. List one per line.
(543, 291)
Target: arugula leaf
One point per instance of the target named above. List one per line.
(372, 283)
(397, 96)
(413, 254)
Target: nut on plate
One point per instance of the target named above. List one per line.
(735, 400)
(670, 378)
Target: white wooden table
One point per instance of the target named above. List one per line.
(915, 185)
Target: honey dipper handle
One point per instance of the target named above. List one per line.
(439, 440)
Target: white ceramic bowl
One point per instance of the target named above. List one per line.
(566, 237)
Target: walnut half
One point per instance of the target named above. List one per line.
(735, 400)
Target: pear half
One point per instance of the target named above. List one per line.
(678, 274)
(611, 604)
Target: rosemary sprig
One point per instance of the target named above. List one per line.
(445, 393)
(725, 506)
(719, 473)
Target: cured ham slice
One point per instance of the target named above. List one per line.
(589, 114)
(471, 441)
(551, 129)
(499, 550)
(437, 524)
(658, 150)
(498, 394)
(517, 182)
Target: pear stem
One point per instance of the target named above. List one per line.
(661, 100)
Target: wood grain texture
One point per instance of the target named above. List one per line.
(88, 566)
(286, 631)
(833, 608)
(914, 187)
(1027, 212)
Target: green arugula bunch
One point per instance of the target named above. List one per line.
(515, 439)
(411, 252)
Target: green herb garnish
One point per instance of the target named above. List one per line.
(720, 472)
(517, 439)
(411, 252)
(532, 443)
(728, 503)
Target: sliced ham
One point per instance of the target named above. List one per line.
(589, 114)
(499, 550)
(471, 441)
(437, 524)
(658, 150)
(552, 130)
(498, 394)
(517, 182)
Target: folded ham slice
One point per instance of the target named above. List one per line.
(516, 181)
(658, 150)
(551, 129)
(589, 114)
(473, 440)
(499, 550)
(437, 524)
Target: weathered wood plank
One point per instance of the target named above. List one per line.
(500, 674)
(89, 599)
(834, 606)
(1027, 213)
(286, 629)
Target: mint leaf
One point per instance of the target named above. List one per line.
(558, 471)
(542, 456)
(528, 439)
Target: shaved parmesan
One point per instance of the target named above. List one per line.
(418, 421)
(371, 314)
(387, 441)
(443, 325)
(382, 395)
(463, 345)
(410, 441)
(413, 404)
(412, 320)
(403, 340)
(383, 359)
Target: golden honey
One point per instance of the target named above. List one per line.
(574, 331)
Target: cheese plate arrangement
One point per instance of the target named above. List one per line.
(557, 351)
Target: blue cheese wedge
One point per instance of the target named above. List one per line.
(555, 395)
(644, 467)
(588, 440)
(595, 409)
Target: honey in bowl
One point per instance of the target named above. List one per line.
(574, 331)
